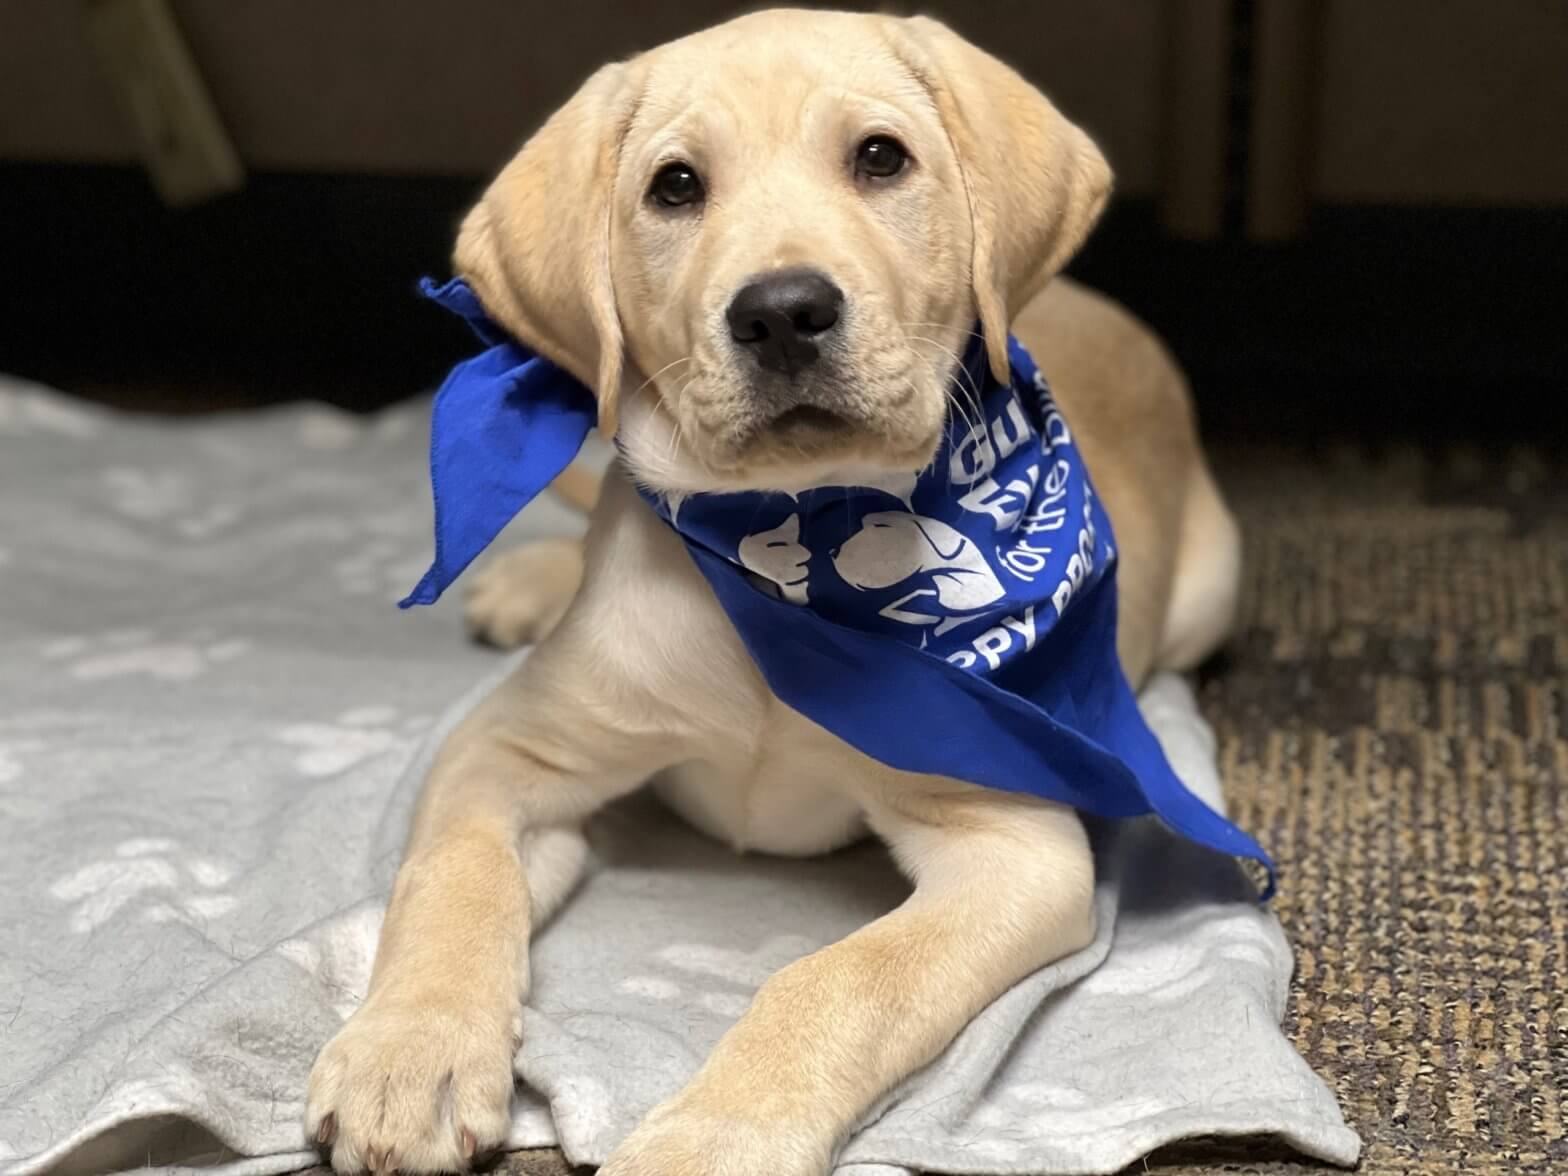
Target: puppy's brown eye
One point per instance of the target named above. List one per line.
(880, 157)
(676, 184)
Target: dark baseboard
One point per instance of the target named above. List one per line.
(295, 286)
(1378, 322)
(1384, 323)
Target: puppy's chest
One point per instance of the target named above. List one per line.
(788, 796)
(756, 775)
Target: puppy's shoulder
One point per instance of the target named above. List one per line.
(1083, 339)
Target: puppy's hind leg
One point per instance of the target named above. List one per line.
(1207, 584)
(521, 595)
(553, 860)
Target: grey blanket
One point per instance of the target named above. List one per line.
(213, 724)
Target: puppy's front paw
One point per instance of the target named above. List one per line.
(520, 596)
(412, 1087)
(685, 1141)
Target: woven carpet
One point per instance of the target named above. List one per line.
(1393, 721)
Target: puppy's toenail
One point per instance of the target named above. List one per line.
(328, 1129)
(470, 1144)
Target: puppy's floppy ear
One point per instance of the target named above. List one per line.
(1036, 183)
(536, 248)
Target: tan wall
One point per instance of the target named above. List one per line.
(1441, 101)
(1448, 101)
(451, 85)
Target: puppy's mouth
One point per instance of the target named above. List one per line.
(809, 414)
(802, 431)
(808, 444)
(809, 420)
(730, 427)
(810, 427)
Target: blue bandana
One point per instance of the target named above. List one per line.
(961, 622)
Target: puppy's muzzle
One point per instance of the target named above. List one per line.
(781, 317)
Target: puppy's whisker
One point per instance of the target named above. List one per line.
(673, 440)
(942, 327)
(660, 372)
(677, 437)
(961, 374)
(969, 428)
(957, 394)
(965, 385)
(668, 457)
(963, 415)
(660, 461)
(959, 408)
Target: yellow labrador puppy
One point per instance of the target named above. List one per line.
(893, 184)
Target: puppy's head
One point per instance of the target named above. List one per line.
(765, 245)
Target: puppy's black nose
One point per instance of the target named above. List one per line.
(780, 315)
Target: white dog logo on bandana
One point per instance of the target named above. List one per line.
(892, 546)
(778, 557)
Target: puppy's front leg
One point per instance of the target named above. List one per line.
(420, 1078)
(1003, 885)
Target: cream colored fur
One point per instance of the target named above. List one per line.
(639, 674)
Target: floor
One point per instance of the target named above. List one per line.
(1393, 721)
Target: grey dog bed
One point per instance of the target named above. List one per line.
(213, 725)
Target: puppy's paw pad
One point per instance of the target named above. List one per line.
(520, 596)
(421, 1090)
